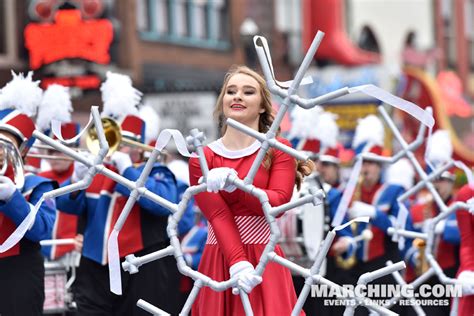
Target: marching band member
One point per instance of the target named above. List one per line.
(56, 104)
(466, 270)
(447, 240)
(376, 199)
(238, 230)
(144, 230)
(21, 267)
(316, 132)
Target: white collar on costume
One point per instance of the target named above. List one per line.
(218, 148)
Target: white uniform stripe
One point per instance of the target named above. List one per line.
(255, 233)
(252, 230)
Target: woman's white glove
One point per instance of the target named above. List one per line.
(217, 177)
(80, 171)
(246, 277)
(467, 279)
(359, 209)
(121, 160)
(7, 188)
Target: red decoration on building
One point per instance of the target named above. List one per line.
(328, 16)
(69, 37)
(83, 82)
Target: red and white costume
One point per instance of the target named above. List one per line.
(238, 231)
(466, 229)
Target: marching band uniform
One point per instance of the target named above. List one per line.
(56, 104)
(466, 254)
(143, 232)
(379, 202)
(238, 231)
(447, 238)
(66, 225)
(21, 267)
(321, 142)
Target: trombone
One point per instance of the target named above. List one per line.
(113, 135)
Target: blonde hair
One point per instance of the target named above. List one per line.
(303, 168)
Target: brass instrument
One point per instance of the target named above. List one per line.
(350, 262)
(421, 265)
(113, 135)
(10, 156)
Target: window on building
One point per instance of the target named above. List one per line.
(468, 27)
(449, 31)
(7, 33)
(3, 28)
(201, 23)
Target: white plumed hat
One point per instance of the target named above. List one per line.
(119, 97)
(55, 105)
(22, 94)
(440, 148)
(401, 173)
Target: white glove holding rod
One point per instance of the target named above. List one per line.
(217, 178)
(121, 160)
(467, 279)
(246, 277)
(361, 209)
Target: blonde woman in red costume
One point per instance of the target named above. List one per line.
(238, 231)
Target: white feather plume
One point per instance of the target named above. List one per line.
(55, 105)
(119, 97)
(328, 131)
(401, 173)
(440, 148)
(21, 93)
(152, 122)
(369, 130)
(304, 122)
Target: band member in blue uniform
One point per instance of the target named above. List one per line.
(144, 230)
(377, 199)
(316, 133)
(446, 242)
(21, 267)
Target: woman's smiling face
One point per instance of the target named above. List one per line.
(242, 100)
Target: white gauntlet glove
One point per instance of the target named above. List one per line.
(80, 171)
(359, 209)
(7, 188)
(121, 160)
(246, 277)
(467, 279)
(217, 177)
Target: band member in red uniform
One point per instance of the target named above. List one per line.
(238, 231)
(446, 247)
(316, 132)
(466, 254)
(56, 105)
(377, 199)
(22, 266)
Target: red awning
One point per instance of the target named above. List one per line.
(328, 16)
